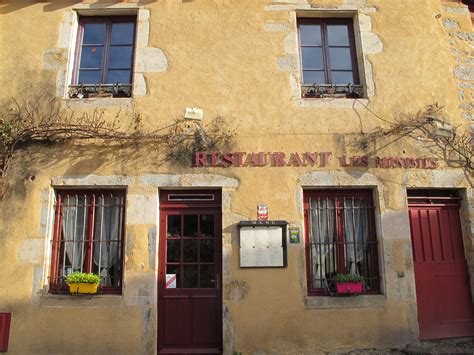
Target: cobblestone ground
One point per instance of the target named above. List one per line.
(451, 346)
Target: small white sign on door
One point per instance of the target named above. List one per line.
(170, 281)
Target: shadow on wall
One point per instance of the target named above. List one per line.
(8, 6)
(68, 159)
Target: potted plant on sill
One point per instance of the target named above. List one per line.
(348, 284)
(82, 283)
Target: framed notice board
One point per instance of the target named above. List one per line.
(263, 244)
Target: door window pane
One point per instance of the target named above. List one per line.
(174, 226)
(207, 226)
(310, 35)
(122, 33)
(173, 250)
(340, 58)
(190, 276)
(190, 225)
(312, 58)
(94, 33)
(208, 279)
(312, 76)
(207, 250)
(338, 35)
(190, 250)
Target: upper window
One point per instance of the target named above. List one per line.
(340, 238)
(104, 57)
(328, 58)
(88, 237)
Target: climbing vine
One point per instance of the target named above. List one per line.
(453, 144)
(45, 121)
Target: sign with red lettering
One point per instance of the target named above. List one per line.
(262, 212)
(170, 281)
(311, 159)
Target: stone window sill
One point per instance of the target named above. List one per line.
(329, 102)
(327, 302)
(74, 301)
(100, 102)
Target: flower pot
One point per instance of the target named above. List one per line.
(83, 288)
(349, 287)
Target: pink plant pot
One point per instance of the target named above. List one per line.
(349, 287)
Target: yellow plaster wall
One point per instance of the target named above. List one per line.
(221, 59)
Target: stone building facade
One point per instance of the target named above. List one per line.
(182, 271)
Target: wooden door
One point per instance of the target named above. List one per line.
(190, 308)
(443, 290)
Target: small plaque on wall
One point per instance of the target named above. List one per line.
(263, 244)
(294, 232)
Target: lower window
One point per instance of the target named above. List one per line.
(340, 238)
(88, 237)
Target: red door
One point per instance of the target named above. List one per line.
(443, 291)
(190, 259)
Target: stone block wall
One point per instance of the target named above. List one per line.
(460, 37)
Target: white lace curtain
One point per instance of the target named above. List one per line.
(75, 230)
(107, 225)
(355, 232)
(323, 236)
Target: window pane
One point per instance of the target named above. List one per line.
(173, 250)
(207, 250)
(340, 58)
(356, 233)
(94, 33)
(338, 35)
(75, 230)
(207, 226)
(107, 235)
(340, 240)
(312, 58)
(190, 225)
(97, 250)
(190, 250)
(342, 77)
(190, 278)
(174, 269)
(208, 280)
(89, 77)
(120, 57)
(118, 76)
(122, 33)
(174, 226)
(91, 57)
(312, 76)
(310, 35)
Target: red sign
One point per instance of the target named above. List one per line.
(262, 212)
(170, 281)
(320, 159)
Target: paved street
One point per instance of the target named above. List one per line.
(451, 346)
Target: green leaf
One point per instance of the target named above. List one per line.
(81, 277)
(348, 278)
